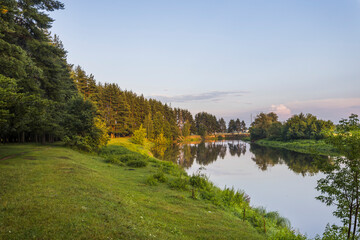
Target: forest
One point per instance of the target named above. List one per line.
(45, 99)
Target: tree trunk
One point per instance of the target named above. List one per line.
(357, 205)
(350, 219)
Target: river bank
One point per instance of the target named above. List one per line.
(302, 146)
(64, 194)
(215, 137)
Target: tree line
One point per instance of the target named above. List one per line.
(299, 126)
(124, 112)
(43, 98)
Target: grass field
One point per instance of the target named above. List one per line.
(52, 192)
(304, 146)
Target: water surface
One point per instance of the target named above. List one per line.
(277, 179)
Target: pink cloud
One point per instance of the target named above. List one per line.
(281, 110)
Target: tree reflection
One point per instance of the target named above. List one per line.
(300, 163)
(206, 153)
(237, 148)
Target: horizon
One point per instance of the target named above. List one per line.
(231, 59)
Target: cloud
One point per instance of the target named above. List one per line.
(281, 110)
(207, 96)
(330, 103)
(331, 108)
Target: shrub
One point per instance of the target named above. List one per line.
(114, 160)
(180, 183)
(199, 181)
(230, 197)
(137, 163)
(152, 181)
(160, 176)
(130, 157)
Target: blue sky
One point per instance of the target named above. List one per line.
(229, 58)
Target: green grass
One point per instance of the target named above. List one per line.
(125, 142)
(304, 146)
(52, 192)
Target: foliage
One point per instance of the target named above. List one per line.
(310, 146)
(186, 129)
(139, 136)
(160, 176)
(160, 140)
(260, 127)
(138, 163)
(180, 183)
(302, 126)
(306, 127)
(341, 186)
(333, 232)
(152, 181)
(222, 125)
(206, 124)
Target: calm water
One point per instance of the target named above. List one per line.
(278, 180)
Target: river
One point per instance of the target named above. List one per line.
(277, 179)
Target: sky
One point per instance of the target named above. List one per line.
(231, 58)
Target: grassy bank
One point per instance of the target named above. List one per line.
(52, 192)
(303, 146)
(217, 137)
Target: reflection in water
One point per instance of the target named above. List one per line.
(279, 180)
(206, 153)
(298, 162)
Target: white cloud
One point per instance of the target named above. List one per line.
(281, 110)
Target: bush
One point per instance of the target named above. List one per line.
(114, 160)
(130, 157)
(199, 181)
(180, 183)
(230, 197)
(152, 181)
(137, 163)
(160, 176)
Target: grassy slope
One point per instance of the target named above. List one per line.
(304, 146)
(51, 192)
(125, 142)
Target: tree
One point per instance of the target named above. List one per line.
(149, 126)
(259, 128)
(186, 129)
(306, 126)
(222, 125)
(341, 186)
(139, 136)
(238, 125)
(275, 131)
(232, 126)
(206, 123)
(243, 126)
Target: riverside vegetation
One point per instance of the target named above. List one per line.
(54, 192)
(120, 194)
